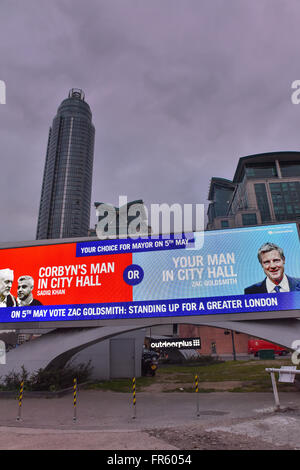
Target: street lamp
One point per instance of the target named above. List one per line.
(226, 332)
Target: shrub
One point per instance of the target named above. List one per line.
(13, 380)
(57, 379)
(48, 379)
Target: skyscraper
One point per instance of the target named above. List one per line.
(67, 183)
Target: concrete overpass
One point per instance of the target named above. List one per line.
(57, 347)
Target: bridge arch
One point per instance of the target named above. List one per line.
(57, 347)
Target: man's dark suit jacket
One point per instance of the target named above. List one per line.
(261, 288)
(10, 301)
(35, 302)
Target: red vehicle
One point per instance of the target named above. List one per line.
(255, 345)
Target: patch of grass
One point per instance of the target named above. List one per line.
(229, 370)
(121, 385)
(251, 375)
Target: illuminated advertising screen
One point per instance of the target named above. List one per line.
(207, 273)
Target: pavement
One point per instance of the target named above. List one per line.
(107, 420)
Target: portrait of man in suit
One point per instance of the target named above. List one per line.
(272, 260)
(25, 288)
(6, 281)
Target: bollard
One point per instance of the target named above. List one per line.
(197, 394)
(20, 400)
(75, 399)
(133, 398)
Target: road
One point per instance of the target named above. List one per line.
(105, 421)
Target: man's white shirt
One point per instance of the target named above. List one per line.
(284, 285)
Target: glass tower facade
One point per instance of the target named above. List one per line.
(286, 200)
(267, 191)
(67, 183)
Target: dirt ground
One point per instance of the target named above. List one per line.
(195, 438)
(172, 386)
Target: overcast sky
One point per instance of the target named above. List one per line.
(179, 91)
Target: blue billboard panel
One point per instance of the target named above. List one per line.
(233, 271)
(226, 265)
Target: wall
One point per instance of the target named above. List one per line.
(99, 355)
(210, 335)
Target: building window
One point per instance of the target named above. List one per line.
(262, 201)
(286, 200)
(290, 168)
(261, 170)
(224, 224)
(249, 219)
(222, 198)
(211, 212)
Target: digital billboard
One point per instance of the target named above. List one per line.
(205, 273)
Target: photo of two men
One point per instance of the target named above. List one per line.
(24, 290)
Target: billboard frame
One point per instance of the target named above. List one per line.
(88, 323)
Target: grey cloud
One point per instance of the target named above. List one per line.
(178, 90)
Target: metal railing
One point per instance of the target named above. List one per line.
(286, 374)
